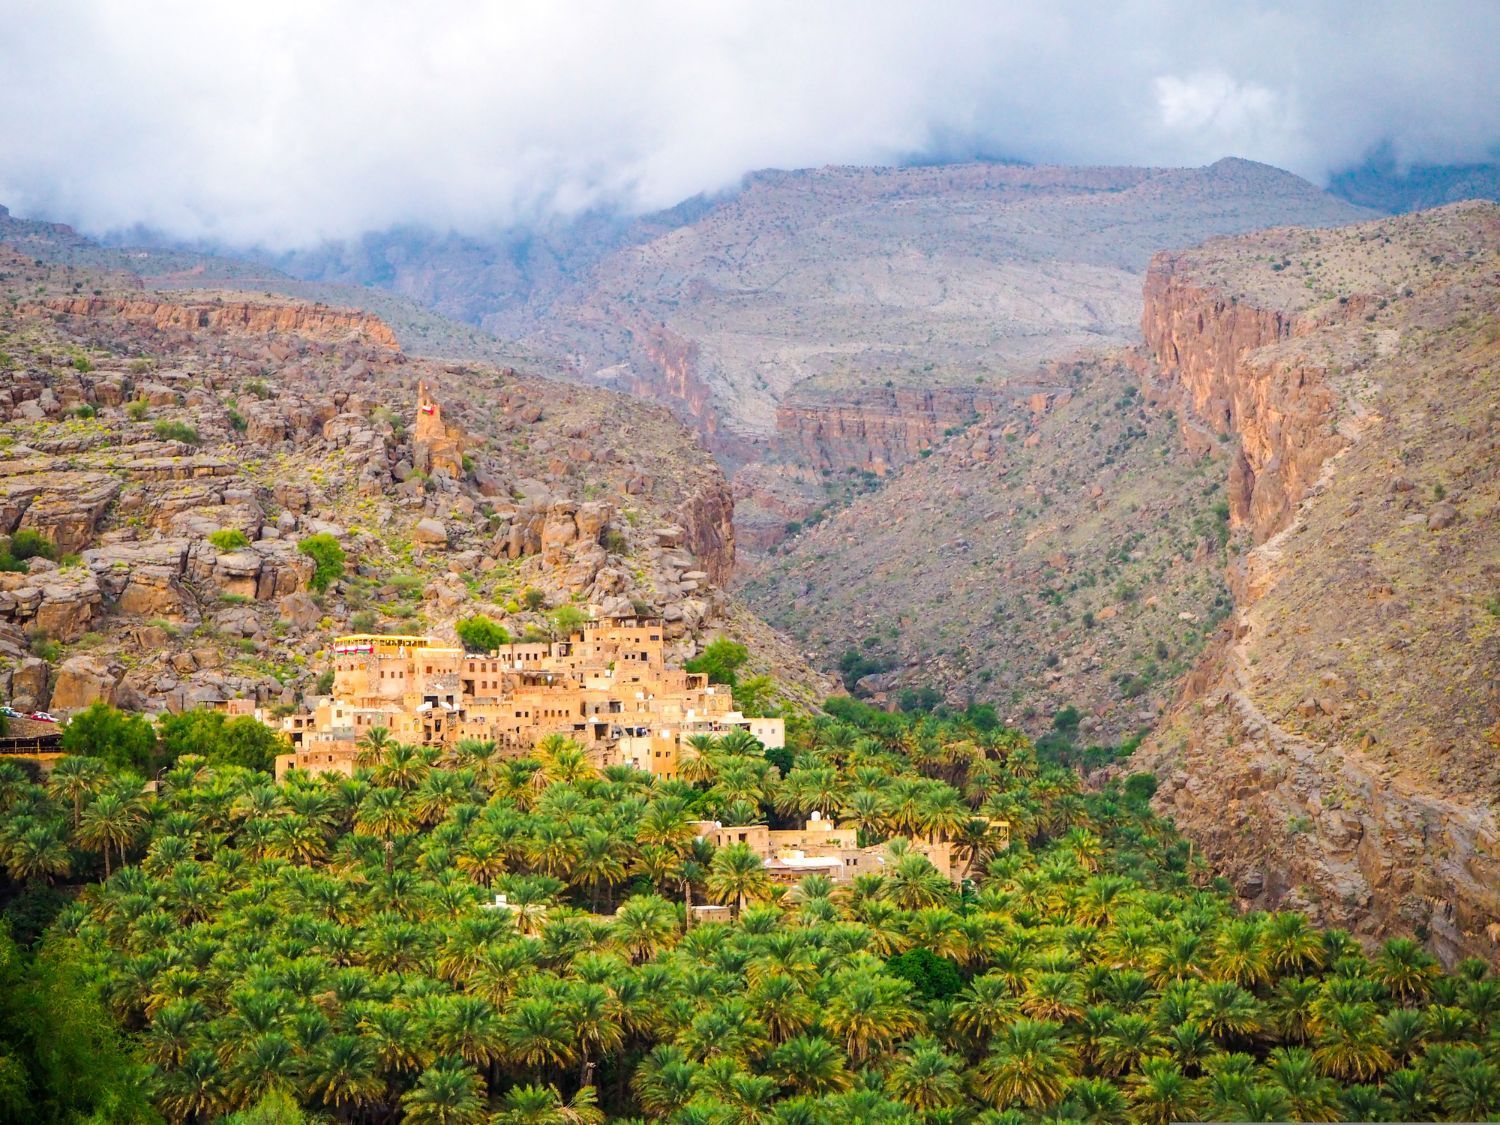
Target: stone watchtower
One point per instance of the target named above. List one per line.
(434, 444)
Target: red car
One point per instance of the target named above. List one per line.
(42, 717)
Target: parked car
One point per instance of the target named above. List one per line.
(11, 713)
(43, 717)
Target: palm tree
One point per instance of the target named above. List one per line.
(595, 1017)
(643, 925)
(385, 815)
(663, 1082)
(1292, 945)
(1467, 1085)
(1161, 1093)
(1410, 1094)
(1349, 1042)
(1094, 1100)
(1291, 1008)
(780, 1002)
(926, 1078)
(1310, 1096)
(470, 1028)
(554, 849)
(564, 761)
(1028, 1066)
(449, 1092)
(1240, 954)
(1229, 1011)
(1405, 969)
(195, 1090)
(111, 821)
(810, 1064)
(37, 850)
(1130, 1040)
(869, 1010)
(537, 1034)
(601, 862)
(342, 1072)
(913, 882)
(868, 811)
(75, 779)
(402, 766)
(482, 859)
(666, 823)
(543, 1105)
(738, 876)
(372, 746)
(1053, 996)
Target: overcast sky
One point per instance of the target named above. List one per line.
(286, 122)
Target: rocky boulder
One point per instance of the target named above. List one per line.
(430, 532)
(82, 681)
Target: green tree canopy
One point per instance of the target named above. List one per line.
(241, 740)
(721, 659)
(481, 634)
(327, 557)
(122, 739)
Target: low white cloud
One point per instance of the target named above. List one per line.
(284, 123)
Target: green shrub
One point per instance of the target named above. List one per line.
(931, 976)
(83, 410)
(327, 557)
(83, 363)
(237, 421)
(229, 539)
(533, 599)
(46, 648)
(324, 685)
(30, 544)
(482, 634)
(722, 660)
(167, 430)
(919, 699)
(137, 410)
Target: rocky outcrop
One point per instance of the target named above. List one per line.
(707, 519)
(1217, 351)
(877, 428)
(83, 681)
(184, 446)
(436, 446)
(668, 371)
(65, 506)
(58, 604)
(229, 316)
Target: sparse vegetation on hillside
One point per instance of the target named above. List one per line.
(1076, 555)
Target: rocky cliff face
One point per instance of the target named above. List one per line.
(232, 315)
(1336, 750)
(874, 429)
(1278, 410)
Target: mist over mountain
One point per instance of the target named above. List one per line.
(329, 123)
